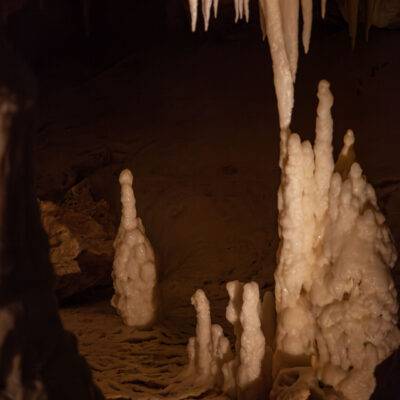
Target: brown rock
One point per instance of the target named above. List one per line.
(81, 236)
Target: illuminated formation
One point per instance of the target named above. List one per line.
(335, 298)
(336, 304)
(134, 271)
(211, 362)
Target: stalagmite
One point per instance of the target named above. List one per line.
(347, 155)
(134, 271)
(252, 346)
(211, 362)
(235, 291)
(209, 350)
(335, 298)
(203, 344)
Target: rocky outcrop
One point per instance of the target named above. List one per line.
(81, 234)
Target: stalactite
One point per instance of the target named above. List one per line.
(193, 5)
(290, 25)
(352, 16)
(306, 10)
(206, 10)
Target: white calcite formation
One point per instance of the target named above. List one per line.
(210, 349)
(279, 21)
(335, 298)
(134, 271)
(211, 362)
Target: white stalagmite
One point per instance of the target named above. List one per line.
(203, 344)
(307, 13)
(335, 299)
(134, 271)
(346, 156)
(235, 292)
(250, 380)
(209, 350)
(211, 362)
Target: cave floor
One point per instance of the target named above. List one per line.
(197, 124)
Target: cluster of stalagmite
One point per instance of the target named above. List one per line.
(134, 271)
(242, 374)
(336, 308)
(335, 298)
(336, 303)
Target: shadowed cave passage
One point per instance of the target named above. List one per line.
(194, 117)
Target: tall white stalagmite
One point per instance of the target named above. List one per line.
(203, 343)
(235, 292)
(323, 151)
(335, 300)
(134, 271)
(209, 350)
(250, 379)
(211, 362)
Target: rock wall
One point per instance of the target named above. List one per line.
(39, 359)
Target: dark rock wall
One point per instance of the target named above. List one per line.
(38, 358)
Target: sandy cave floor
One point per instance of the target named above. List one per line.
(197, 124)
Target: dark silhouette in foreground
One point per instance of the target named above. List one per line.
(38, 358)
